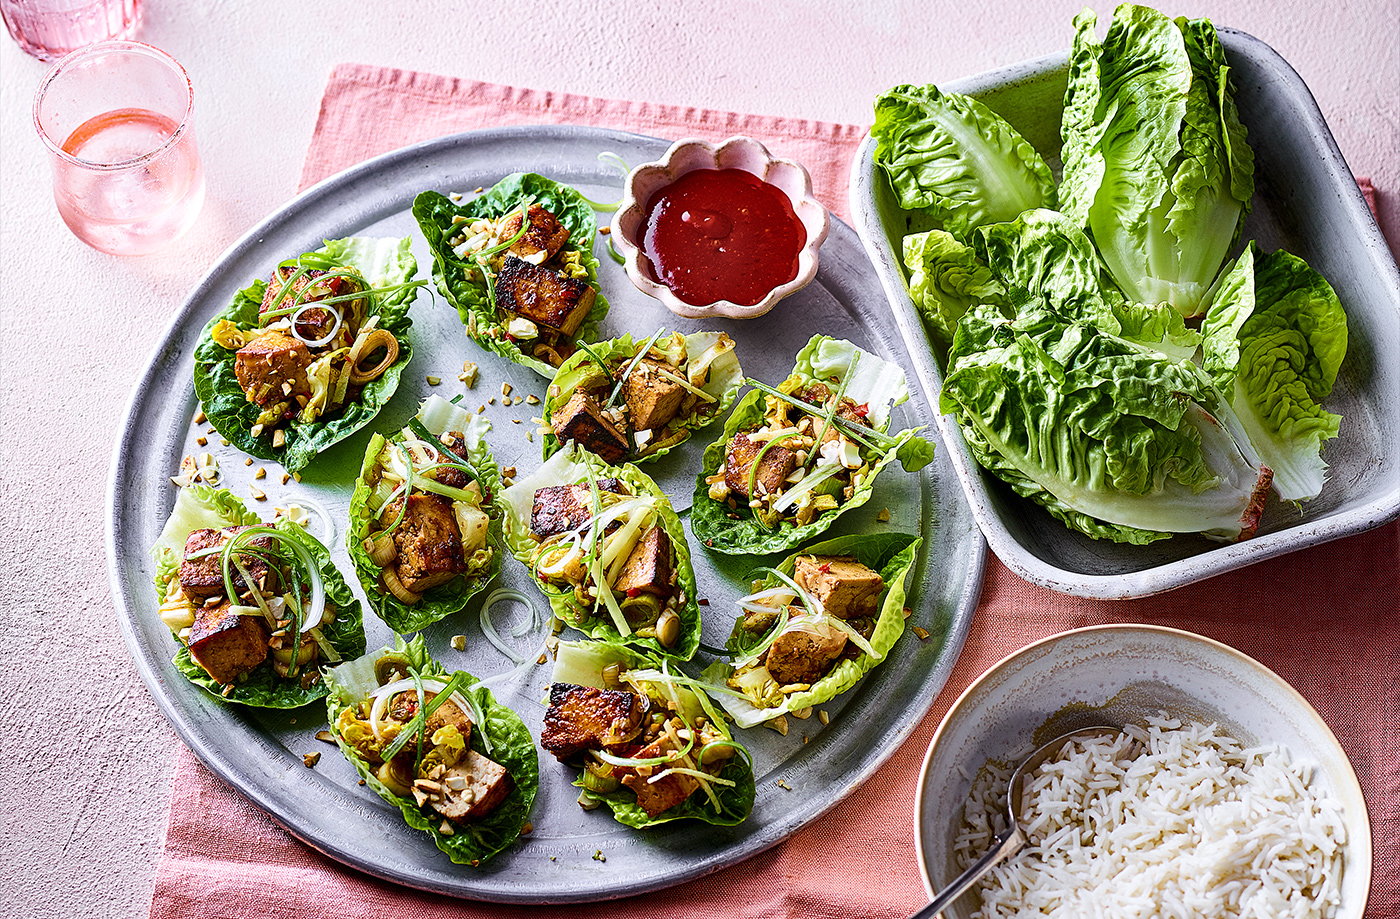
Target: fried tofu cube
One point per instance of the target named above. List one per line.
(543, 296)
(842, 585)
(660, 796)
(485, 784)
(777, 464)
(543, 238)
(428, 543)
(583, 422)
(272, 368)
(803, 652)
(559, 508)
(203, 577)
(454, 450)
(648, 568)
(652, 400)
(226, 644)
(583, 718)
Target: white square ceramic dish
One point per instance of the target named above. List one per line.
(1306, 201)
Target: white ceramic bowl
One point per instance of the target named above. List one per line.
(735, 153)
(1118, 674)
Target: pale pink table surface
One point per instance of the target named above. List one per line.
(88, 755)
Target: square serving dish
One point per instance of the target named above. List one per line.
(1306, 201)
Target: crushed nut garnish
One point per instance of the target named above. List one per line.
(479, 189)
(530, 436)
(224, 441)
(491, 401)
(311, 759)
(432, 380)
(823, 717)
(515, 421)
(527, 829)
(459, 642)
(279, 439)
(884, 515)
(604, 231)
(446, 828)
(508, 472)
(202, 441)
(248, 461)
(532, 399)
(802, 714)
(542, 658)
(783, 785)
(505, 389)
(227, 691)
(908, 612)
(261, 473)
(325, 736)
(296, 476)
(257, 493)
(286, 477)
(480, 409)
(468, 374)
(779, 724)
(599, 856)
(804, 738)
(200, 417)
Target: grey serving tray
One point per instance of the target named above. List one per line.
(259, 752)
(1307, 202)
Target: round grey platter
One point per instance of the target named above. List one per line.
(259, 752)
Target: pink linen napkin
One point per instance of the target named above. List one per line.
(1321, 618)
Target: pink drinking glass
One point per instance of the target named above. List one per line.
(117, 118)
(49, 29)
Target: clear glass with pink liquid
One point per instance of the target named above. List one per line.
(117, 118)
(49, 29)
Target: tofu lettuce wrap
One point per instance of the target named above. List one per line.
(438, 746)
(652, 748)
(795, 457)
(608, 551)
(303, 360)
(425, 531)
(517, 262)
(814, 625)
(628, 400)
(258, 609)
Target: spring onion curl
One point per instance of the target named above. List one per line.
(631, 366)
(489, 629)
(376, 339)
(425, 710)
(608, 158)
(593, 355)
(614, 254)
(835, 405)
(754, 469)
(270, 315)
(808, 603)
(317, 603)
(594, 556)
(300, 297)
(329, 336)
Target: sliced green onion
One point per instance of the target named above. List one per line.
(686, 385)
(810, 482)
(489, 629)
(301, 556)
(834, 406)
(757, 462)
(636, 359)
(425, 710)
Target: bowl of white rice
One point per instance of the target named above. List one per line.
(1226, 794)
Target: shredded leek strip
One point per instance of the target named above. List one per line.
(609, 601)
(633, 762)
(614, 254)
(252, 589)
(686, 385)
(753, 654)
(478, 716)
(489, 629)
(855, 637)
(631, 366)
(867, 437)
(361, 294)
(403, 508)
(425, 710)
(810, 482)
(422, 483)
(301, 557)
(753, 471)
(695, 773)
(831, 409)
(300, 298)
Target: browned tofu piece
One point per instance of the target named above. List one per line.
(428, 542)
(777, 464)
(648, 568)
(544, 237)
(487, 785)
(842, 585)
(454, 449)
(652, 400)
(583, 718)
(203, 577)
(543, 296)
(225, 644)
(272, 368)
(804, 651)
(580, 420)
(660, 796)
(404, 708)
(313, 324)
(559, 508)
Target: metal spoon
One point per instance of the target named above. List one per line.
(1011, 840)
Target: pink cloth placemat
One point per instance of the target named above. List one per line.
(1325, 619)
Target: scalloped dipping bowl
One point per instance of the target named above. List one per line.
(743, 153)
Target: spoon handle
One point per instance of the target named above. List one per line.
(1006, 845)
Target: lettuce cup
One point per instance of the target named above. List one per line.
(652, 747)
(605, 547)
(425, 531)
(258, 609)
(517, 262)
(438, 746)
(795, 457)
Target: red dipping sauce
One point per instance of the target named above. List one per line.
(721, 234)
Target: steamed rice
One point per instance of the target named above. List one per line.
(1168, 820)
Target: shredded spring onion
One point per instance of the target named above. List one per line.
(810, 482)
(631, 366)
(325, 339)
(489, 629)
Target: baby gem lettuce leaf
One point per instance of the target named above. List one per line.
(199, 507)
(1275, 336)
(384, 263)
(511, 746)
(438, 416)
(461, 282)
(955, 161)
(892, 555)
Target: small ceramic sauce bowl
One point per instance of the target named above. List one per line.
(743, 153)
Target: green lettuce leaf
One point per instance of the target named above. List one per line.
(581, 370)
(1101, 426)
(955, 161)
(581, 663)
(464, 287)
(876, 382)
(511, 746)
(438, 416)
(892, 555)
(1275, 336)
(199, 507)
(384, 263)
(946, 279)
(570, 465)
(1157, 165)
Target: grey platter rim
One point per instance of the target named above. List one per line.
(260, 789)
